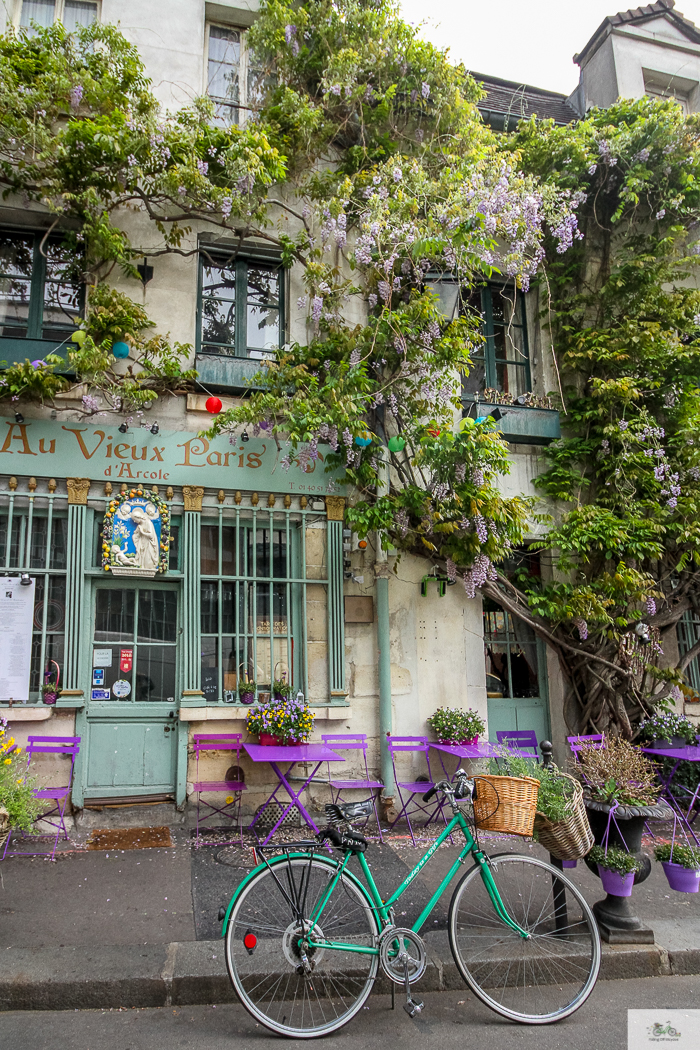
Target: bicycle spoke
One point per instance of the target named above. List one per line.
(280, 909)
(536, 979)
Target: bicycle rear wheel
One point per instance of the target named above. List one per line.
(265, 961)
(537, 980)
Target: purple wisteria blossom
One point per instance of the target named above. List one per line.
(582, 628)
(76, 96)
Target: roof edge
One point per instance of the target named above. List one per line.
(638, 16)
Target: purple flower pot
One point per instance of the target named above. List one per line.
(568, 864)
(618, 885)
(684, 880)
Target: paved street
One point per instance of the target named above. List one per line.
(451, 1021)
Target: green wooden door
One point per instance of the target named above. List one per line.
(516, 681)
(132, 728)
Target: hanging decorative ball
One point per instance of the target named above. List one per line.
(434, 432)
(214, 405)
(120, 350)
(363, 440)
(396, 444)
(78, 337)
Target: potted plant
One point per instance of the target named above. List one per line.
(616, 868)
(666, 730)
(281, 722)
(247, 692)
(681, 865)
(281, 689)
(18, 806)
(453, 725)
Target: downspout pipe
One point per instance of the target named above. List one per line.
(381, 575)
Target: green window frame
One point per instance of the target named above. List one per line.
(258, 585)
(502, 363)
(688, 632)
(240, 307)
(514, 664)
(39, 545)
(39, 300)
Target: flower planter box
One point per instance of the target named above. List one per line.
(661, 744)
(472, 742)
(268, 740)
(523, 425)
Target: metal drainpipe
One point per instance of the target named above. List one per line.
(381, 572)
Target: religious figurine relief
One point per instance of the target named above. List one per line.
(136, 534)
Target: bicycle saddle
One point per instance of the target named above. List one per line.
(348, 811)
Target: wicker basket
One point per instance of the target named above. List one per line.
(570, 838)
(506, 804)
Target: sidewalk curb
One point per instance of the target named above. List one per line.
(193, 973)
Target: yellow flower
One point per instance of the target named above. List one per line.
(7, 761)
(229, 798)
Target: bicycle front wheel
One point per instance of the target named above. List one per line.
(290, 995)
(534, 980)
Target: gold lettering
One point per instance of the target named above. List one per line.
(189, 450)
(156, 457)
(252, 457)
(125, 469)
(52, 445)
(22, 436)
(118, 454)
(81, 443)
(144, 452)
(214, 459)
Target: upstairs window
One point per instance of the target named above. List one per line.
(235, 81)
(664, 85)
(501, 363)
(39, 296)
(240, 307)
(72, 13)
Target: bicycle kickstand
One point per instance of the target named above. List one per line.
(411, 1006)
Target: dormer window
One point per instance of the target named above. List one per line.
(663, 85)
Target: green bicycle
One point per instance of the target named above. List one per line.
(305, 938)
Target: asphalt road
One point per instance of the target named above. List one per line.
(451, 1021)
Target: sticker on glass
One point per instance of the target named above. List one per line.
(121, 688)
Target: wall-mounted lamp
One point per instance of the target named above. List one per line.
(19, 418)
(155, 428)
(245, 436)
(25, 579)
(123, 427)
(146, 271)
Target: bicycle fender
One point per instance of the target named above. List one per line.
(272, 863)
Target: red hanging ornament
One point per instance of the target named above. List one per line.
(214, 405)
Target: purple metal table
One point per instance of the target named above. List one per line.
(678, 754)
(315, 754)
(485, 750)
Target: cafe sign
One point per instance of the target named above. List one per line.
(176, 457)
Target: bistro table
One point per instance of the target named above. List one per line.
(691, 753)
(289, 755)
(485, 750)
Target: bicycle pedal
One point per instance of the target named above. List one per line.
(413, 1008)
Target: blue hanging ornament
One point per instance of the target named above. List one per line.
(363, 440)
(120, 350)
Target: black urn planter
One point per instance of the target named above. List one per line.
(618, 923)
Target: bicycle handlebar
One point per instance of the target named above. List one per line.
(456, 788)
(429, 794)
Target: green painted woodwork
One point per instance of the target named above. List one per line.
(130, 757)
(523, 425)
(192, 636)
(336, 610)
(217, 372)
(76, 543)
(101, 453)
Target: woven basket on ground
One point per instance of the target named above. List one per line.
(570, 838)
(506, 804)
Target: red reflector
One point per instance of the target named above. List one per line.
(249, 941)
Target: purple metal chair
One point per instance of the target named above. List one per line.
(55, 817)
(596, 740)
(415, 745)
(522, 739)
(219, 742)
(352, 742)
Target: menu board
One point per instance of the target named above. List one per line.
(16, 618)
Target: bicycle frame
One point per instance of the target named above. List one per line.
(383, 907)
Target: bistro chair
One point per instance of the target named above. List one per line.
(596, 740)
(409, 789)
(68, 746)
(230, 742)
(353, 742)
(520, 739)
